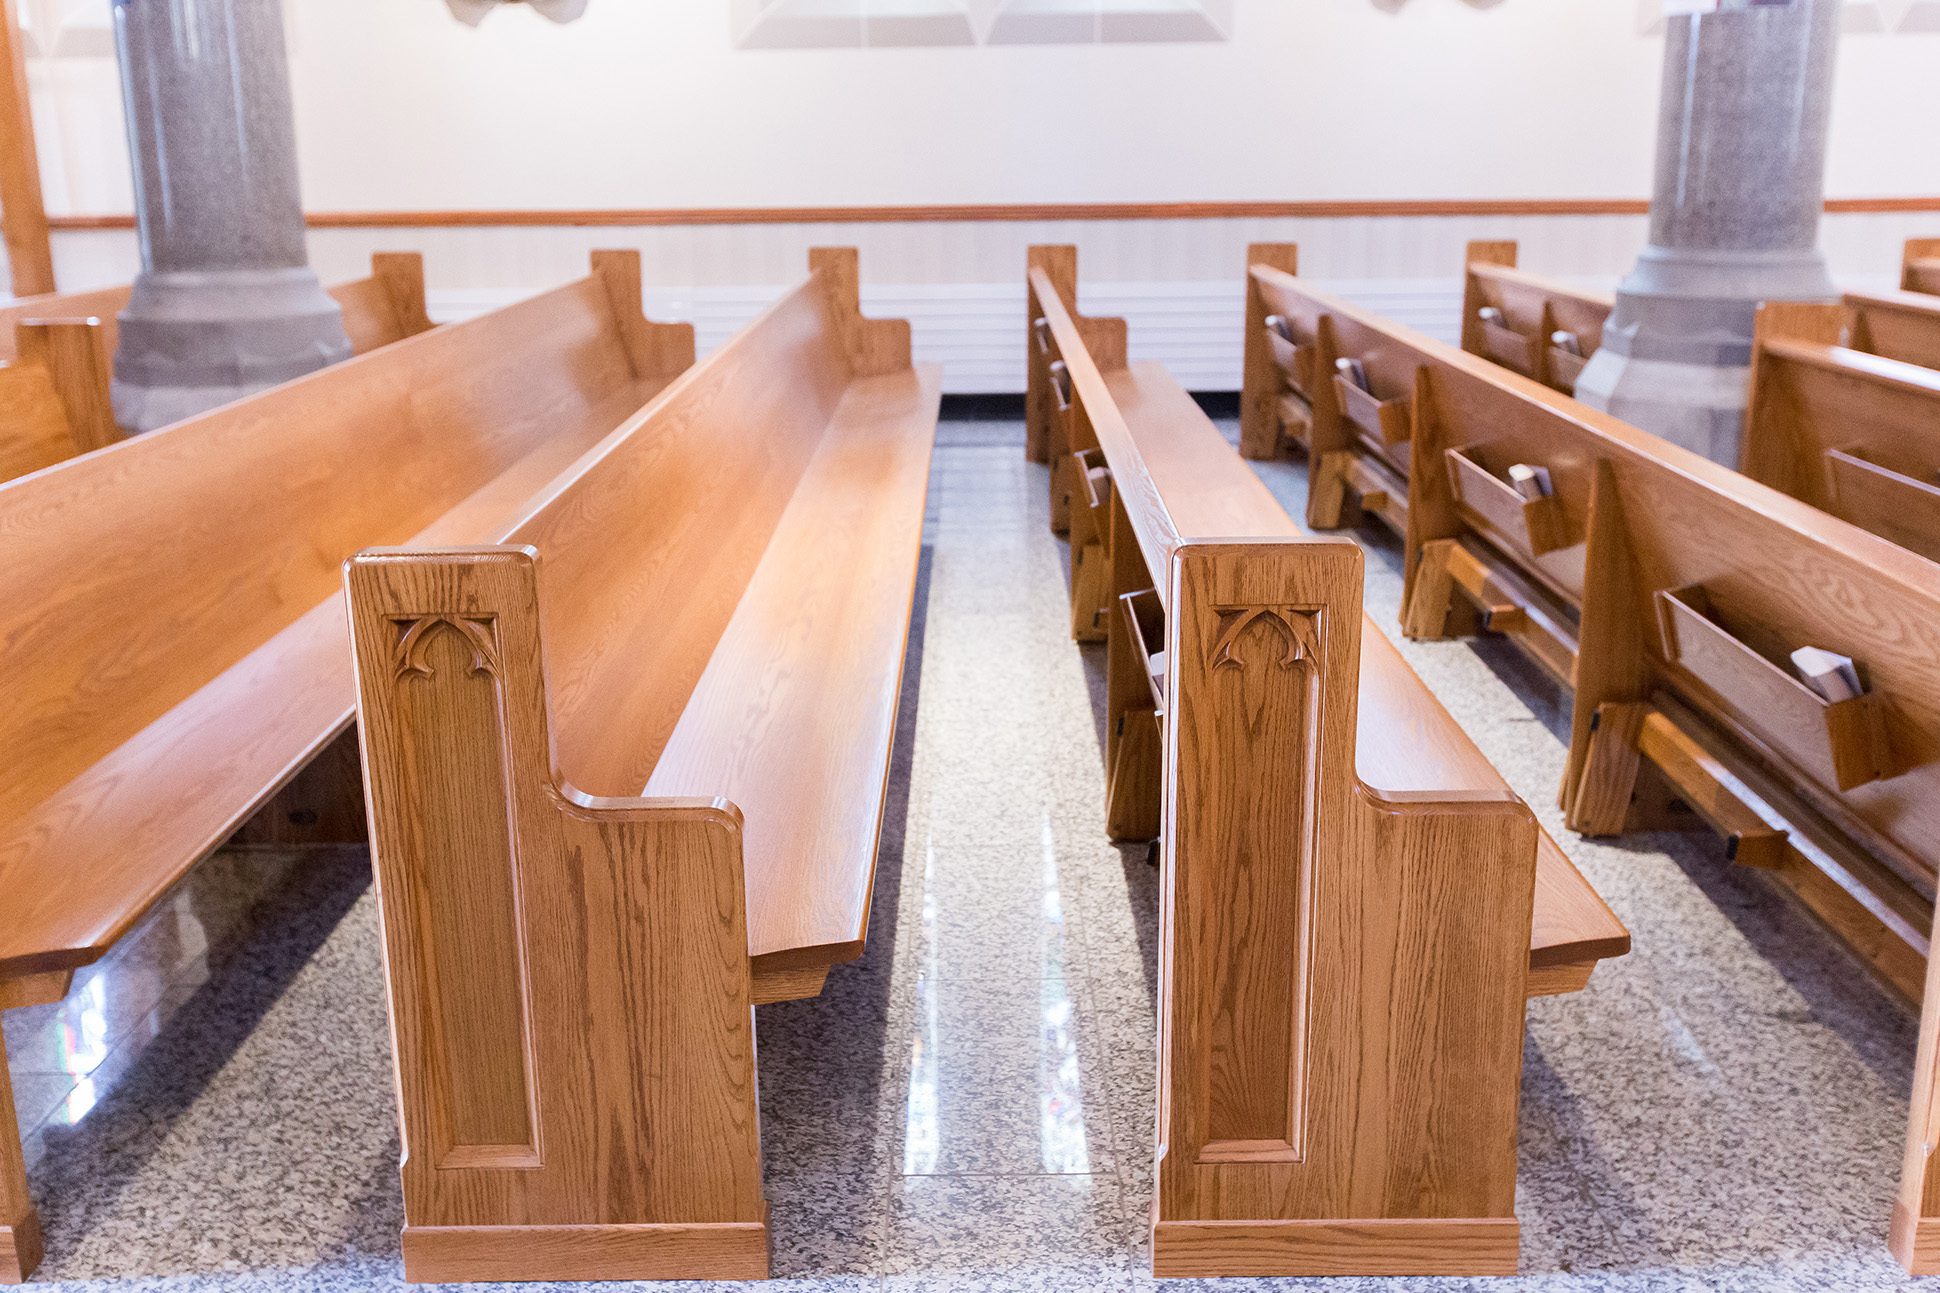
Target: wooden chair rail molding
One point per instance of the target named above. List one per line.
(1317, 208)
(1515, 318)
(57, 358)
(1345, 876)
(1920, 265)
(172, 623)
(1851, 433)
(627, 777)
(1672, 617)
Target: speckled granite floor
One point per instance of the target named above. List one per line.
(970, 1106)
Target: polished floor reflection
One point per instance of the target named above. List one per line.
(971, 1105)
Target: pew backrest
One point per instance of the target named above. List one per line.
(1895, 325)
(1515, 318)
(1776, 570)
(55, 374)
(155, 585)
(1849, 432)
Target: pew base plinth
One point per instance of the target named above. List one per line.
(1915, 1241)
(735, 1250)
(1388, 1246)
(20, 1249)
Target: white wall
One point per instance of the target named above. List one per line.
(645, 103)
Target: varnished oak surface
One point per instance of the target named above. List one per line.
(1771, 572)
(845, 549)
(626, 776)
(170, 612)
(56, 357)
(1851, 432)
(1406, 744)
(1344, 964)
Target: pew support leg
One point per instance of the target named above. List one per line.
(20, 1247)
(1327, 489)
(1601, 804)
(1432, 593)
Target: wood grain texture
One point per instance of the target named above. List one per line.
(504, 928)
(54, 384)
(229, 668)
(174, 623)
(608, 822)
(1332, 845)
(1849, 432)
(1263, 380)
(1532, 309)
(23, 211)
(1858, 849)
(1805, 578)
(1382, 1246)
(457, 1254)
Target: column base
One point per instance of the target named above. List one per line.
(20, 1250)
(524, 1254)
(1915, 1240)
(191, 342)
(1377, 1247)
(1698, 406)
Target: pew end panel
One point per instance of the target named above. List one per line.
(1920, 265)
(1051, 275)
(1309, 914)
(569, 981)
(875, 347)
(1273, 365)
(657, 350)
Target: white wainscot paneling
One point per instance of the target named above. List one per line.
(960, 283)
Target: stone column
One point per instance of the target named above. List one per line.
(1734, 219)
(226, 303)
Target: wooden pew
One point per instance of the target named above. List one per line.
(1851, 433)
(1345, 876)
(626, 778)
(1677, 588)
(1531, 312)
(1602, 595)
(1361, 442)
(172, 624)
(57, 358)
(1920, 265)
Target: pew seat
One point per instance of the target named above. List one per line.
(172, 622)
(1408, 745)
(627, 774)
(833, 585)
